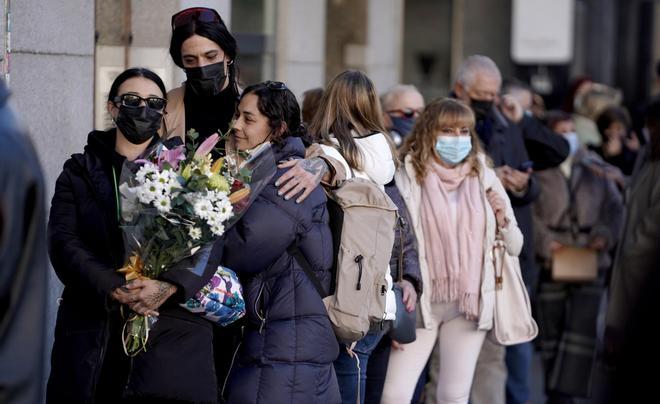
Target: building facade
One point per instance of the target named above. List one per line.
(61, 56)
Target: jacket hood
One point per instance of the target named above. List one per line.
(289, 147)
(102, 144)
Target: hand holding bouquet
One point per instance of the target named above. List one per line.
(176, 201)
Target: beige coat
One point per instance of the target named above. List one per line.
(513, 238)
(175, 117)
(598, 206)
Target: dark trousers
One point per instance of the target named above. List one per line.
(567, 314)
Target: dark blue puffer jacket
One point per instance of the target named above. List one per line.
(289, 346)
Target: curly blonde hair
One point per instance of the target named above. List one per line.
(439, 114)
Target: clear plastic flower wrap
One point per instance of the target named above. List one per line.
(176, 201)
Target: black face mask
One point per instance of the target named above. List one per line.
(481, 108)
(206, 80)
(138, 124)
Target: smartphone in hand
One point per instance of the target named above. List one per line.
(526, 166)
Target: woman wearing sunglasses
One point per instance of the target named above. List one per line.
(86, 247)
(203, 46)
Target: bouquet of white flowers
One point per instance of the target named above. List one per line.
(175, 202)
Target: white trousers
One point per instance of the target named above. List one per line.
(459, 345)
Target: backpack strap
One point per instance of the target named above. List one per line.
(295, 252)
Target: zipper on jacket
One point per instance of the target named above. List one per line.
(257, 308)
(231, 365)
(97, 371)
(130, 373)
(358, 260)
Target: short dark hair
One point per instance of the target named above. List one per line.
(609, 116)
(280, 106)
(216, 32)
(135, 72)
(552, 118)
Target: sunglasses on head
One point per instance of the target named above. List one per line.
(275, 85)
(201, 14)
(406, 112)
(134, 101)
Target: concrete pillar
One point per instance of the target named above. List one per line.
(487, 31)
(52, 73)
(384, 42)
(600, 54)
(300, 44)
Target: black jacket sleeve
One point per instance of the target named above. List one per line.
(193, 273)
(545, 148)
(72, 260)
(528, 197)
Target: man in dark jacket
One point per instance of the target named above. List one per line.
(23, 268)
(478, 84)
(545, 148)
(630, 336)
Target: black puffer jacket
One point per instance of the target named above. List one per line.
(86, 247)
(289, 346)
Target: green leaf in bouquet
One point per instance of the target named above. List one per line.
(192, 134)
(245, 174)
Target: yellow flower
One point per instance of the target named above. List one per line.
(219, 183)
(187, 172)
(217, 166)
(133, 269)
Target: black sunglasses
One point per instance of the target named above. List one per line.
(134, 101)
(276, 85)
(407, 112)
(201, 14)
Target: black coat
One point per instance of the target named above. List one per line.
(504, 144)
(86, 248)
(23, 262)
(289, 346)
(545, 148)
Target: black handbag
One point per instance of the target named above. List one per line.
(403, 329)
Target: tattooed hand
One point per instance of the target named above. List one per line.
(302, 178)
(151, 294)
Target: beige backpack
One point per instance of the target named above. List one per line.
(362, 220)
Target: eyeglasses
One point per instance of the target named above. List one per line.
(134, 101)
(201, 14)
(407, 112)
(276, 85)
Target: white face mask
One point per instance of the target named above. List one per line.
(573, 142)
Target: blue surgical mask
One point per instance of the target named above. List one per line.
(573, 142)
(402, 125)
(453, 149)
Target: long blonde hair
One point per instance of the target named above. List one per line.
(349, 103)
(420, 144)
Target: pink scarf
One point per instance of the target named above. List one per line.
(454, 245)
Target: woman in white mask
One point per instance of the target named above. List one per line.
(457, 206)
(579, 207)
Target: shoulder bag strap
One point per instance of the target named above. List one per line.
(295, 252)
